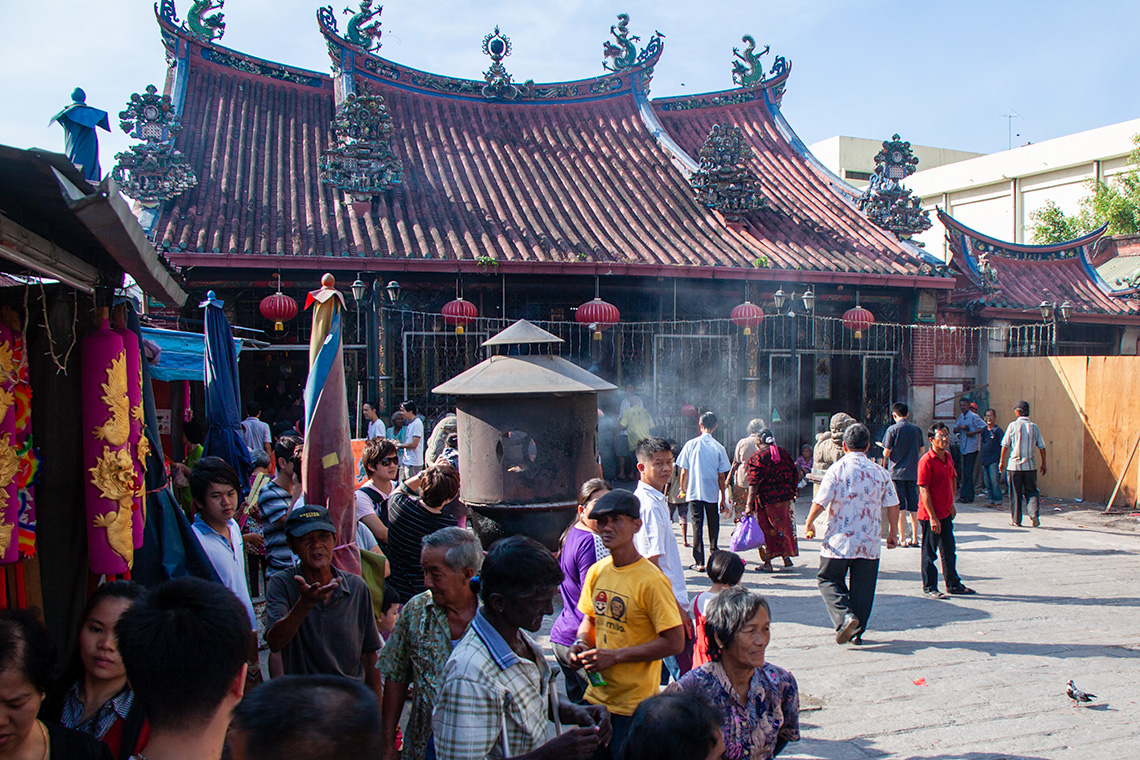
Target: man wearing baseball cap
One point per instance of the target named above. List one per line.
(319, 617)
(1021, 438)
(631, 619)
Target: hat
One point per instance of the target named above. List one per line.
(1022, 406)
(617, 502)
(307, 518)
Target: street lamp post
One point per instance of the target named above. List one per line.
(1053, 313)
(780, 299)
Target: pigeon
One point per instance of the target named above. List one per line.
(1077, 695)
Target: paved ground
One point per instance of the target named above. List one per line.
(1054, 603)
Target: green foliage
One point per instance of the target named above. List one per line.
(760, 262)
(1116, 202)
(487, 262)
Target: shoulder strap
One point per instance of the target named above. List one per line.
(376, 497)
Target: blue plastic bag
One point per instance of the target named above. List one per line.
(747, 535)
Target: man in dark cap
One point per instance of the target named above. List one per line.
(319, 617)
(1017, 452)
(631, 620)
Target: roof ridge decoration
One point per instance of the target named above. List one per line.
(166, 11)
(748, 71)
(499, 85)
(206, 28)
(153, 172)
(886, 202)
(363, 164)
(625, 55)
(723, 182)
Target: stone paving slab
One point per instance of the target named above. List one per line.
(1054, 603)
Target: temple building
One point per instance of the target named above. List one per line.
(690, 246)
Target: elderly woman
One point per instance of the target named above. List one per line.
(27, 659)
(738, 473)
(759, 701)
(422, 640)
(772, 478)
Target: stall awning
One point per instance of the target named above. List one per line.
(181, 354)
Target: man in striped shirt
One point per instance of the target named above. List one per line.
(1021, 438)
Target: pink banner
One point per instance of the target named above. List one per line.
(9, 455)
(137, 443)
(112, 481)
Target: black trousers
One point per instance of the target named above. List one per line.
(699, 511)
(932, 543)
(966, 478)
(848, 585)
(1023, 492)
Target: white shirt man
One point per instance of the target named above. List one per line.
(704, 466)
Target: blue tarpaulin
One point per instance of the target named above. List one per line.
(182, 356)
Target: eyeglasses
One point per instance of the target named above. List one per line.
(388, 461)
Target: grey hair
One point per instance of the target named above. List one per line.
(857, 437)
(728, 612)
(463, 548)
(755, 426)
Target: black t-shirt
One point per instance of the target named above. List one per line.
(904, 439)
(991, 444)
(408, 522)
(67, 744)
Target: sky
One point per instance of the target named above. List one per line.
(939, 72)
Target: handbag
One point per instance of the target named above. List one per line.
(747, 535)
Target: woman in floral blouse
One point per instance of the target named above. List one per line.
(759, 701)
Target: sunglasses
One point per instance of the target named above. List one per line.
(388, 461)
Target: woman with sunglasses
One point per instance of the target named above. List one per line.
(380, 463)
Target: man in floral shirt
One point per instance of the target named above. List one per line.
(854, 492)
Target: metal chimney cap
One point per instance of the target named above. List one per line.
(520, 333)
(535, 375)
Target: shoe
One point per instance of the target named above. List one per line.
(767, 568)
(934, 594)
(857, 641)
(848, 630)
(1011, 522)
(697, 568)
(787, 562)
(961, 591)
(1036, 522)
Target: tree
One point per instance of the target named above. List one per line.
(1116, 202)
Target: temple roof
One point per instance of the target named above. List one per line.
(581, 177)
(1003, 279)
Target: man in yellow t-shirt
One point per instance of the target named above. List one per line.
(631, 618)
(637, 422)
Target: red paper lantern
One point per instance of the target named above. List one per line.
(858, 319)
(598, 314)
(688, 410)
(459, 313)
(747, 315)
(279, 309)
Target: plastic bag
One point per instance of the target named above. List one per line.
(747, 535)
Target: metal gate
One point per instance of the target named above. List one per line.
(692, 369)
(431, 358)
(878, 393)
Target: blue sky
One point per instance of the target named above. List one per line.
(939, 73)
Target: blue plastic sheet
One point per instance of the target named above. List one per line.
(183, 354)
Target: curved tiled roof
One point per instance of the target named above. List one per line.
(567, 174)
(1018, 277)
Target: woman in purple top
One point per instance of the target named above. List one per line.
(581, 548)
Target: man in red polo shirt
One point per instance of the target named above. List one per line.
(936, 485)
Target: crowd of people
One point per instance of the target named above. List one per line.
(434, 656)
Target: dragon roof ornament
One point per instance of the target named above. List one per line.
(152, 172)
(886, 202)
(363, 29)
(167, 12)
(724, 182)
(206, 28)
(625, 55)
(748, 69)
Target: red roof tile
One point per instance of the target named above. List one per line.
(1021, 276)
(568, 174)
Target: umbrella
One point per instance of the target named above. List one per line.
(223, 399)
(169, 548)
(328, 478)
